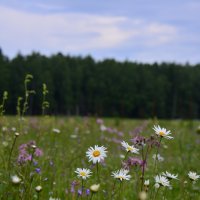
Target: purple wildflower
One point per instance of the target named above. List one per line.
(38, 170)
(132, 161)
(99, 121)
(87, 192)
(38, 152)
(79, 192)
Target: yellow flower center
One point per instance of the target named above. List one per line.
(161, 133)
(82, 173)
(129, 148)
(96, 153)
(120, 177)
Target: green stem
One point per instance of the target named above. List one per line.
(156, 159)
(9, 159)
(98, 178)
(91, 195)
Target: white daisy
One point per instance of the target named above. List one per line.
(162, 181)
(170, 176)
(103, 128)
(146, 182)
(55, 130)
(15, 179)
(129, 148)
(121, 174)
(193, 176)
(96, 154)
(162, 132)
(83, 173)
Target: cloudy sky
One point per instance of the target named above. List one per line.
(136, 30)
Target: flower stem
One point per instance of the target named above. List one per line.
(156, 159)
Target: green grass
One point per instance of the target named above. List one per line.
(67, 151)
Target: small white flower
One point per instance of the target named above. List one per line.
(51, 198)
(103, 128)
(73, 136)
(4, 129)
(157, 185)
(162, 132)
(38, 188)
(96, 154)
(95, 187)
(129, 148)
(83, 173)
(16, 134)
(122, 156)
(146, 182)
(55, 130)
(162, 181)
(13, 129)
(15, 179)
(159, 157)
(193, 176)
(121, 174)
(169, 175)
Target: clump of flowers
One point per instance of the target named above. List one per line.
(27, 151)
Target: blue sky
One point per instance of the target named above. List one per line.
(136, 30)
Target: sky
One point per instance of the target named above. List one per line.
(135, 30)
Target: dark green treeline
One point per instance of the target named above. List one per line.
(82, 86)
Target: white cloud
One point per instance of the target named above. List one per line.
(76, 32)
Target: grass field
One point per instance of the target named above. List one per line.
(48, 151)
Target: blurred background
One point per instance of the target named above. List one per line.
(130, 58)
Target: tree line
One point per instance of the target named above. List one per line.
(82, 86)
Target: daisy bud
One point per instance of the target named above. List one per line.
(38, 188)
(33, 146)
(142, 195)
(16, 134)
(95, 187)
(15, 179)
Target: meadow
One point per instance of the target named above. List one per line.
(39, 157)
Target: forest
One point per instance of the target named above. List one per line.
(82, 86)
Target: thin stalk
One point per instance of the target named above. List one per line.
(9, 159)
(98, 178)
(157, 151)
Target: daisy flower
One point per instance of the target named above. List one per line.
(193, 176)
(121, 174)
(83, 173)
(170, 176)
(162, 181)
(15, 179)
(96, 154)
(129, 148)
(146, 182)
(162, 132)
